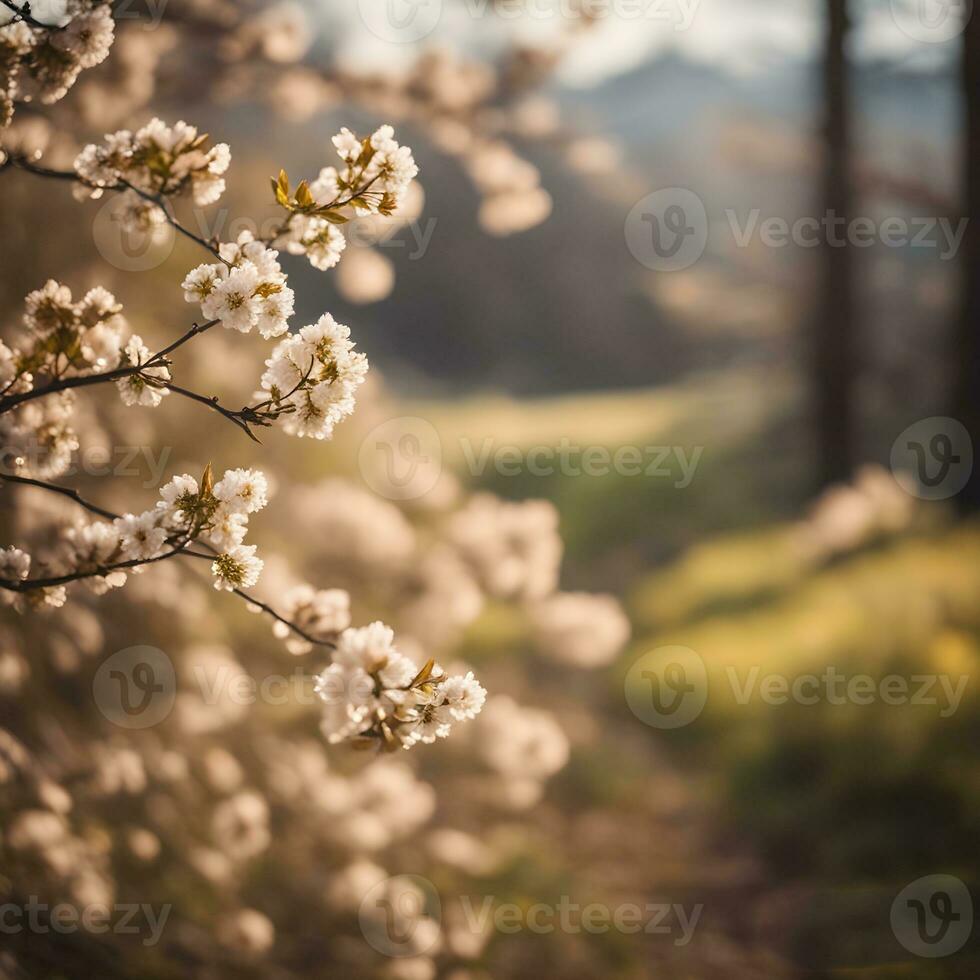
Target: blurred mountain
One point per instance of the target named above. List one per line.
(566, 307)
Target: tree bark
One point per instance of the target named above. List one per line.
(966, 348)
(833, 335)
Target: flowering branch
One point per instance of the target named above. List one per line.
(69, 492)
(103, 571)
(160, 359)
(24, 585)
(24, 14)
(309, 385)
(237, 418)
(157, 200)
(41, 62)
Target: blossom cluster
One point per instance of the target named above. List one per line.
(374, 179)
(513, 548)
(187, 511)
(39, 438)
(311, 378)
(480, 552)
(524, 746)
(245, 290)
(874, 506)
(221, 513)
(320, 613)
(372, 691)
(15, 566)
(141, 388)
(579, 628)
(41, 64)
(157, 160)
(101, 553)
(65, 337)
(62, 339)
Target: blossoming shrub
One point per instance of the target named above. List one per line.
(235, 810)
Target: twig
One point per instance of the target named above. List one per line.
(183, 552)
(69, 492)
(161, 202)
(212, 403)
(28, 166)
(85, 380)
(31, 584)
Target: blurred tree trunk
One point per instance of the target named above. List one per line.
(833, 341)
(966, 351)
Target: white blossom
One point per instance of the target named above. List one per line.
(318, 239)
(372, 690)
(312, 376)
(141, 535)
(319, 613)
(580, 629)
(237, 568)
(158, 160)
(134, 388)
(176, 495)
(246, 289)
(513, 548)
(229, 529)
(14, 565)
(231, 299)
(464, 696)
(242, 491)
(201, 281)
(87, 37)
(348, 146)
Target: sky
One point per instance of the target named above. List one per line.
(739, 36)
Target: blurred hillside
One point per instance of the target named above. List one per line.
(565, 307)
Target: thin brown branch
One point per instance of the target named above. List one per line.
(28, 166)
(69, 492)
(211, 402)
(183, 552)
(86, 380)
(164, 205)
(32, 584)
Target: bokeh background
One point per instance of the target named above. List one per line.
(782, 524)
